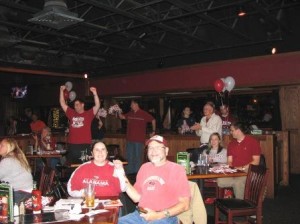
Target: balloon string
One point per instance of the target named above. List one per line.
(221, 98)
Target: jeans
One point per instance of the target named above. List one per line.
(134, 156)
(135, 218)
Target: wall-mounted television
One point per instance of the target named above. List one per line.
(19, 92)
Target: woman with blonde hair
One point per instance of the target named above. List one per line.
(15, 169)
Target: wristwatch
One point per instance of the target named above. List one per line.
(167, 213)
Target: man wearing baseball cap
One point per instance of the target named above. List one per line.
(157, 191)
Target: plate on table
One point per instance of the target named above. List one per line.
(112, 203)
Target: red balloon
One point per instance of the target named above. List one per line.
(219, 85)
(66, 94)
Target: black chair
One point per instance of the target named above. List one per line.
(195, 152)
(251, 205)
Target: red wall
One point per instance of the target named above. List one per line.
(280, 69)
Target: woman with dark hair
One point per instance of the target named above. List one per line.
(216, 153)
(15, 169)
(99, 171)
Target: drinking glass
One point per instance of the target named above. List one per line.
(89, 194)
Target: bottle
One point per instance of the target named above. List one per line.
(22, 208)
(36, 199)
(4, 206)
(16, 209)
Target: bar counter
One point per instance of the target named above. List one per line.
(275, 148)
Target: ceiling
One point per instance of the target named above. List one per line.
(110, 37)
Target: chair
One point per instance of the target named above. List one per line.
(221, 194)
(46, 180)
(251, 205)
(197, 212)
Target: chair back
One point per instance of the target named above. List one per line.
(262, 161)
(255, 184)
(46, 180)
(195, 152)
(197, 213)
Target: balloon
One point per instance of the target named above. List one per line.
(72, 96)
(224, 88)
(66, 94)
(69, 86)
(229, 83)
(219, 85)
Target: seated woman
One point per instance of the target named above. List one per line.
(15, 170)
(216, 153)
(46, 142)
(99, 171)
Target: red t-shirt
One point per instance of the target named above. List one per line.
(243, 151)
(37, 126)
(136, 125)
(101, 176)
(80, 126)
(160, 187)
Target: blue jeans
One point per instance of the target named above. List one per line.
(134, 156)
(135, 218)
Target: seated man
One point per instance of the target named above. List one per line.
(243, 150)
(161, 188)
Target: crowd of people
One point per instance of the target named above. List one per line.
(156, 189)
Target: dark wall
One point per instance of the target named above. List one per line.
(278, 69)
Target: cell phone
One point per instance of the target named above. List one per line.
(141, 210)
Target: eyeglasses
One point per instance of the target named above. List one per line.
(156, 148)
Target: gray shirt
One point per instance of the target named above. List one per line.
(215, 157)
(11, 171)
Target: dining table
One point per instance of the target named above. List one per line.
(45, 156)
(200, 173)
(106, 215)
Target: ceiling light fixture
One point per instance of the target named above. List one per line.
(55, 15)
(241, 11)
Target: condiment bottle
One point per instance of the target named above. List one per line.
(4, 206)
(22, 208)
(36, 199)
(16, 209)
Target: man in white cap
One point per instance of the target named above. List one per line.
(161, 189)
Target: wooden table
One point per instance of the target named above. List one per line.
(199, 173)
(75, 165)
(202, 172)
(44, 156)
(109, 217)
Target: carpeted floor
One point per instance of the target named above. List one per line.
(283, 209)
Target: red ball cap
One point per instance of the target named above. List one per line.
(157, 138)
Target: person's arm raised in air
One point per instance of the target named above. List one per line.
(62, 101)
(96, 100)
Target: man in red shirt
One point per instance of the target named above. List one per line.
(227, 119)
(79, 138)
(137, 120)
(242, 151)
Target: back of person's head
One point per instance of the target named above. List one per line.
(240, 125)
(13, 150)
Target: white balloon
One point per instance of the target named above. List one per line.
(224, 88)
(229, 83)
(72, 96)
(69, 86)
